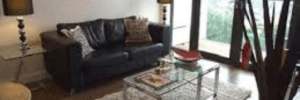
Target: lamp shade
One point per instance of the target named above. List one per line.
(164, 1)
(17, 7)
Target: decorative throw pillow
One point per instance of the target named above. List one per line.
(65, 32)
(79, 36)
(138, 30)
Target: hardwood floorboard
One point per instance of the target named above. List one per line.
(228, 74)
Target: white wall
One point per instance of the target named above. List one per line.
(50, 12)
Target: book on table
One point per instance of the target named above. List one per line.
(153, 80)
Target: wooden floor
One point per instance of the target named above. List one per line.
(228, 74)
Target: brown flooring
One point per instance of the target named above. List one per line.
(228, 74)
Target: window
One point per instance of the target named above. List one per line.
(258, 11)
(216, 24)
(216, 21)
(182, 21)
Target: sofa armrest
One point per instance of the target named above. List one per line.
(63, 58)
(161, 34)
(52, 41)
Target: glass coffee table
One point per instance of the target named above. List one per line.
(179, 76)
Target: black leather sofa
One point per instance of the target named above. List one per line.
(64, 61)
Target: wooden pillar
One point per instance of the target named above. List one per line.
(195, 25)
(294, 48)
(237, 33)
(292, 25)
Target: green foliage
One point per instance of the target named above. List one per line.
(261, 37)
(219, 26)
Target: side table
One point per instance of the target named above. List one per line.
(14, 91)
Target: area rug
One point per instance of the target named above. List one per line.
(187, 92)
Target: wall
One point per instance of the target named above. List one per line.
(47, 13)
(50, 12)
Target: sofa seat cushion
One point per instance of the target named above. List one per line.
(137, 44)
(105, 58)
(145, 51)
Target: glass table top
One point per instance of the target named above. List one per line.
(179, 75)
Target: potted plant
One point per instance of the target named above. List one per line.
(273, 73)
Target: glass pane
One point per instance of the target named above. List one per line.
(259, 18)
(216, 26)
(182, 21)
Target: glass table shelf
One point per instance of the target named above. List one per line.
(179, 75)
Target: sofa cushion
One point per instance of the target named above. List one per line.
(95, 31)
(145, 51)
(114, 30)
(137, 44)
(105, 58)
(95, 34)
(68, 26)
(138, 30)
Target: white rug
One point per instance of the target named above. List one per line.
(187, 92)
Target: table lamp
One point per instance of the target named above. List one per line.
(163, 67)
(171, 2)
(165, 8)
(19, 8)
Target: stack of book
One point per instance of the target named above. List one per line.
(153, 80)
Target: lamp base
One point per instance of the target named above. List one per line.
(22, 33)
(24, 49)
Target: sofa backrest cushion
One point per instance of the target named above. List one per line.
(95, 34)
(101, 32)
(69, 26)
(93, 30)
(114, 32)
